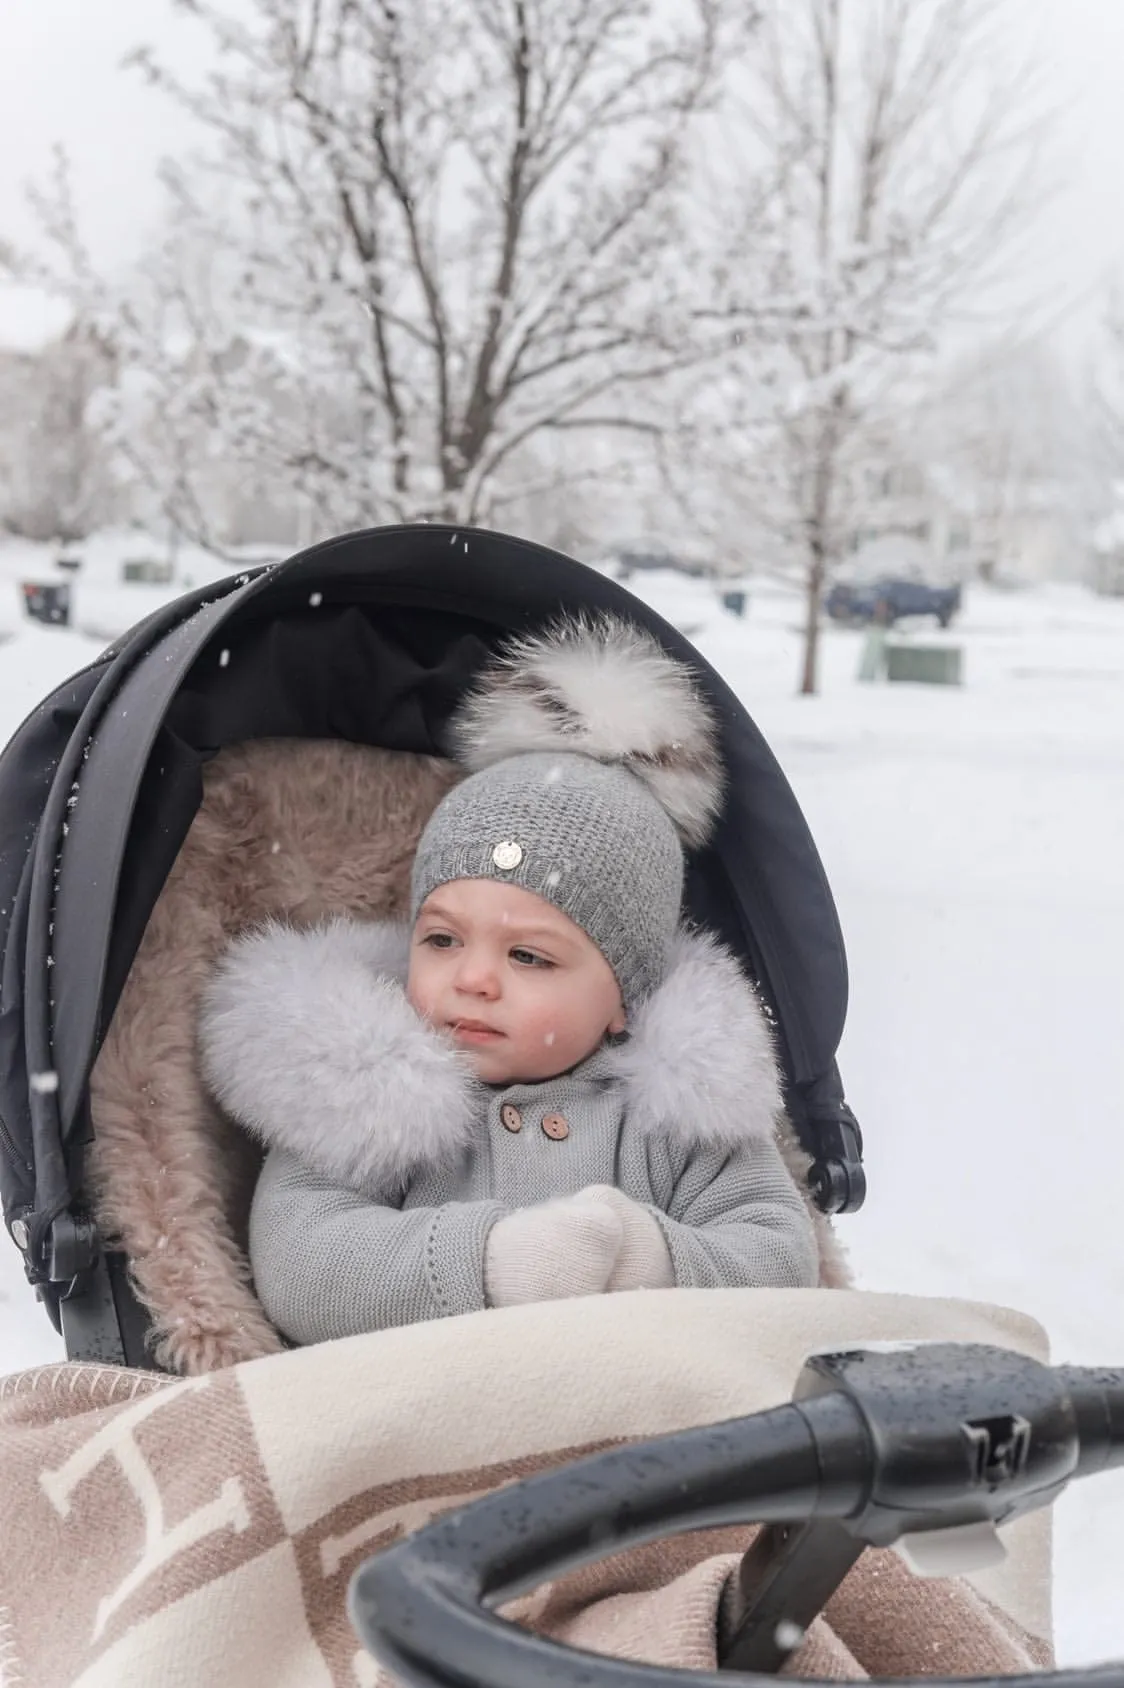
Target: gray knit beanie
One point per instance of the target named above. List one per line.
(594, 761)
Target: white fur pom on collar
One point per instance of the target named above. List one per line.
(600, 687)
(700, 1068)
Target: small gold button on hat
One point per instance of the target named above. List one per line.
(510, 1117)
(555, 1127)
(507, 854)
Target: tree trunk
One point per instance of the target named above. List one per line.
(817, 570)
(820, 533)
(829, 33)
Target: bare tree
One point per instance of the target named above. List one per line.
(899, 142)
(422, 238)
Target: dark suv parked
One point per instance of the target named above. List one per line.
(889, 599)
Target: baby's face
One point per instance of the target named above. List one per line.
(520, 989)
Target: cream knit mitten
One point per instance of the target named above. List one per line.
(552, 1251)
(643, 1260)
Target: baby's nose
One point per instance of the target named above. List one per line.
(478, 977)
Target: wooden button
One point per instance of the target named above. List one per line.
(555, 1126)
(511, 1117)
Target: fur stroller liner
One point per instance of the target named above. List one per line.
(289, 828)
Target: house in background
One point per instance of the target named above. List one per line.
(941, 524)
(1108, 555)
(1036, 531)
(909, 518)
(1013, 445)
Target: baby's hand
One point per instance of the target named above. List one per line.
(552, 1251)
(643, 1260)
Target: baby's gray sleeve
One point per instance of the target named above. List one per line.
(328, 1262)
(738, 1221)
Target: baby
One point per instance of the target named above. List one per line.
(545, 1086)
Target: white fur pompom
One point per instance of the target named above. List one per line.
(601, 688)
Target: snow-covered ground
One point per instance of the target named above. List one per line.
(973, 840)
(101, 607)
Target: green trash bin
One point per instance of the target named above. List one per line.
(925, 665)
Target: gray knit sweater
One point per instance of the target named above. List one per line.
(388, 1164)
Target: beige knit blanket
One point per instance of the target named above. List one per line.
(203, 1531)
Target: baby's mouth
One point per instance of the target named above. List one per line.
(474, 1031)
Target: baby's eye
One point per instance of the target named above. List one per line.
(439, 940)
(528, 958)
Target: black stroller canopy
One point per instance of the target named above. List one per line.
(372, 638)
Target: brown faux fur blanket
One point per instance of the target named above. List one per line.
(167, 1533)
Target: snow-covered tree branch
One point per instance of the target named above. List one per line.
(417, 238)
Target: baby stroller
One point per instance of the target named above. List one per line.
(267, 746)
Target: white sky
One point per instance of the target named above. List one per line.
(61, 80)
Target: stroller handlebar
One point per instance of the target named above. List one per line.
(879, 1442)
(1097, 1394)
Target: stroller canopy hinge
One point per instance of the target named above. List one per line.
(72, 1252)
(837, 1176)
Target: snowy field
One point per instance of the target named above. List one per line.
(100, 606)
(973, 838)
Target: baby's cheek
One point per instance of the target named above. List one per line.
(418, 992)
(542, 1022)
(555, 1031)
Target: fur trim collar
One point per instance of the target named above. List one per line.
(307, 1040)
(699, 1067)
